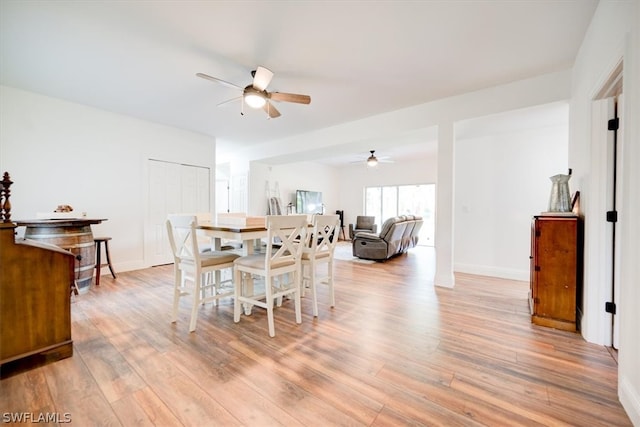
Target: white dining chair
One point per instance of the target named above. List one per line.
(324, 236)
(193, 266)
(286, 235)
(204, 243)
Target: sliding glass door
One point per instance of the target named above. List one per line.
(389, 201)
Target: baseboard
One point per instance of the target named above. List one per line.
(121, 267)
(630, 400)
(483, 270)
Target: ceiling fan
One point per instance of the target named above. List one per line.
(372, 160)
(255, 95)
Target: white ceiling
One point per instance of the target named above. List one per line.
(354, 58)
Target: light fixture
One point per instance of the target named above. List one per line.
(254, 98)
(372, 160)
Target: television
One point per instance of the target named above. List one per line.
(308, 202)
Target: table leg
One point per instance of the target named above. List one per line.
(248, 247)
(217, 245)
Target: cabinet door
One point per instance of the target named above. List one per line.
(556, 241)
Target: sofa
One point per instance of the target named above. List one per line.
(397, 235)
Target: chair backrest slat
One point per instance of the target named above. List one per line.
(290, 231)
(182, 236)
(325, 235)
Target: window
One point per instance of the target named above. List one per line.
(389, 201)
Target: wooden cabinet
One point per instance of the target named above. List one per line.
(556, 271)
(35, 312)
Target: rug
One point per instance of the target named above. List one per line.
(343, 252)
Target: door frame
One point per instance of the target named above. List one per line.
(607, 99)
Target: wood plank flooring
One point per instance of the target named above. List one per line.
(394, 351)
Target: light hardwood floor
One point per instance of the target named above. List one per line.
(394, 351)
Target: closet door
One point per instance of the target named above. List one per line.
(194, 189)
(239, 192)
(173, 188)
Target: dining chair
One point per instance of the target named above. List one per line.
(204, 243)
(192, 265)
(324, 236)
(280, 266)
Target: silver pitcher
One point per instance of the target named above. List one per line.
(560, 199)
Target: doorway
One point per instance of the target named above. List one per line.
(608, 129)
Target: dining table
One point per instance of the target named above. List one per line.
(247, 234)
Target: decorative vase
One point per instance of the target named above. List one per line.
(560, 199)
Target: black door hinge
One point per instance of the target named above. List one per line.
(612, 216)
(610, 307)
(613, 124)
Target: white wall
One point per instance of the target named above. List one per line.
(613, 35)
(289, 178)
(59, 152)
(501, 181)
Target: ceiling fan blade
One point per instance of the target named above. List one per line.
(237, 98)
(262, 78)
(271, 110)
(217, 80)
(290, 97)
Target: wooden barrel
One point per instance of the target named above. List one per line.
(77, 239)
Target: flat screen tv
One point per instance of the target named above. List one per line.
(308, 202)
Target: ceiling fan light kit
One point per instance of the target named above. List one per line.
(372, 160)
(256, 96)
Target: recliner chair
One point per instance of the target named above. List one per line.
(363, 223)
(398, 234)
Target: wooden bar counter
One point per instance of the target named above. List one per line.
(72, 234)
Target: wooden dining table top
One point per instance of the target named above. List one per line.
(229, 227)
